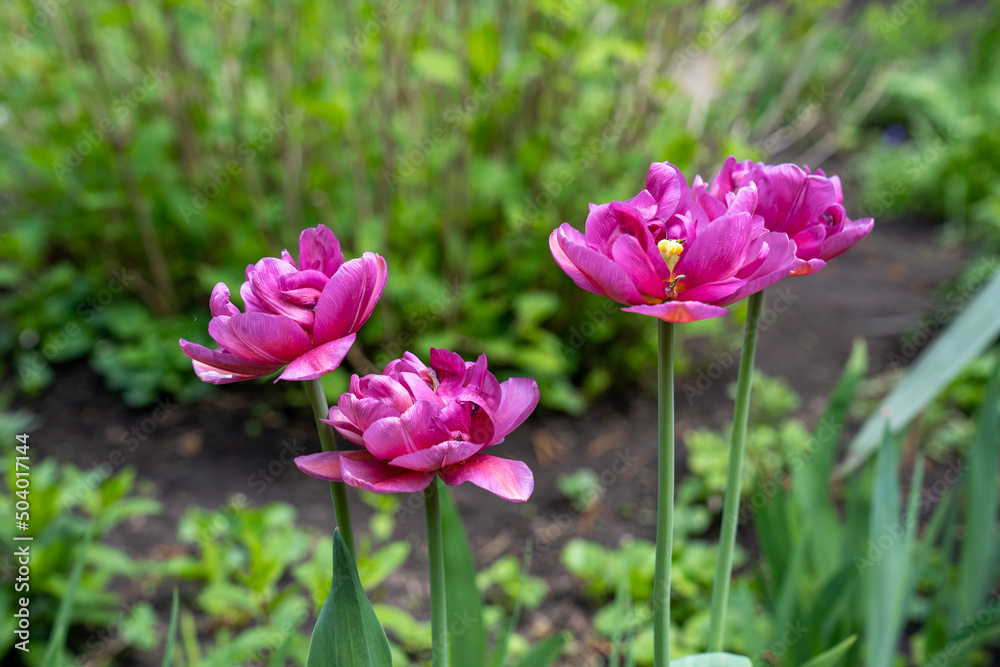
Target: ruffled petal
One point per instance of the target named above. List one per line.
(319, 250)
(611, 279)
(436, 457)
(679, 311)
(629, 255)
(366, 472)
(319, 360)
(559, 240)
(261, 336)
(511, 480)
(223, 367)
(349, 297)
(219, 303)
(519, 398)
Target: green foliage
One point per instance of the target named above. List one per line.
(347, 631)
(146, 140)
(772, 439)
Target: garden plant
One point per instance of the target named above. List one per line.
(736, 479)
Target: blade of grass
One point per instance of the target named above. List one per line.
(883, 573)
(168, 652)
(971, 332)
(979, 544)
(64, 613)
(546, 652)
(833, 655)
(468, 647)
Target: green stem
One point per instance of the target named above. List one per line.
(327, 440)
(731, 505)
(664, 499)
(435, 554)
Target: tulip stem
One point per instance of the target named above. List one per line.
(731, 504)
(328, 441)
(664, 498)
(435, 554)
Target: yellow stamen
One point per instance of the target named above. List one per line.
(671, 250)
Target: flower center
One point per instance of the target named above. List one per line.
(670, 250)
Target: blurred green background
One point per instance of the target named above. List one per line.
(149, 149)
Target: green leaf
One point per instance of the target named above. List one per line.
(484, 49)
(347, 631)
(972, 331)
(833, 655)
(979, 548)
(64, 612)
(438, 66)
(546, 652)
(465, 607)
(713, 660)
(168, 652)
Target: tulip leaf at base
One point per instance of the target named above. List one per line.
(712, 660)
(347, 632)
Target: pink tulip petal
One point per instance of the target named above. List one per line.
(850, 233)
(718, 252)
(519, 399)
(669, 188)
(388, 390)
(349, 297)
(379, 477)
(214, 375)
(261, 336)
(264, 285)
(420, 390)
(679, 311)
(779, 263)
(805, 268)
(322, 465)
(352, 416)
(561, 238)
(219, 303)
(511, 480)
(223, 367)
(319, 360)
(611, 279)
(416, 429)
(645, 204)
(713, 292)
(609, 221)
(629, 255)
(319, 250)
(437, 456)
(303, 287)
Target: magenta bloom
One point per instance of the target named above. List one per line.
(303, 315)
(668, 255)
(416, 421)
(807, 206)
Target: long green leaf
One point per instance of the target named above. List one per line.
(883, 562)
(979, 545)
(168, 652)
(833, 655)
(465, 606)
(545, 652)
(712, 660)
(347, 631)
(972, 331)
(63, 614)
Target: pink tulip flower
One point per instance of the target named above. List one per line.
(302, 316)
(666, 254)
(416, 422)
(807, 206)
